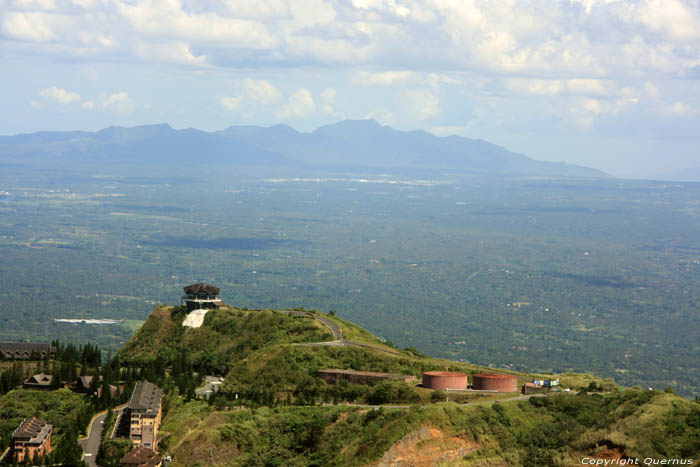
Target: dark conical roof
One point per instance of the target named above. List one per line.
(201, 287)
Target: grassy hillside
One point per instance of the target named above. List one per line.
(228, 334)
(270, 357)
(558, 430)
(273, 410)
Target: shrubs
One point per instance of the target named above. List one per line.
(393, 392)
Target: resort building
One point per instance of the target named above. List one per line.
(38, 381)
(145, 413)
(27, 350)
(31, 439)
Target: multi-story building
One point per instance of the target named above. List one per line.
(31, 439)
(145, 414)
(27, 350)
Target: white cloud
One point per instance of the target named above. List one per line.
(299, 105)
(435, 80)
(386, 78)
(382, 115)
(89, 105)
(260, 9)
(538, 87)
(310, 12)
(167, 19)
(421, 104)
(253, 92)
(24, 26)
(173, 52)
(327, 99)
(449, 130)
(231, 103)
(85, 4)
(562, 39)
(678, 109)
(60, 95)
(120, 101)
(651, 90)
(671, 17)
(42, 5)
(259, 90)
(588, 86)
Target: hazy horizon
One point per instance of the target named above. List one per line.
(608, 85)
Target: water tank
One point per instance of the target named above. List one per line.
(495, 382)
(443, 380)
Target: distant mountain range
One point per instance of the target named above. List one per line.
(344, 145)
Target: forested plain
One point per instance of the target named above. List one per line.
(532, 274)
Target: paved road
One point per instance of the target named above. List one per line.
(337, 333)
(91, 444)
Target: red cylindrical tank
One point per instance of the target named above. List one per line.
(443, 380)
(495, 382)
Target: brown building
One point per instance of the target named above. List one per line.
(38, 381)
(201, 296)
(145, 414)
(84, 384)
(532, 388)
(495, 382)
(360, 377)
(141, 457)
(27, 350)
(444, 380)
(31, 439)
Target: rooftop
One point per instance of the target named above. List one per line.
(28, 347)
(141, 456)
(33, 429)
(146, 396)
(495, 376)
(40, 379)
(201, 288)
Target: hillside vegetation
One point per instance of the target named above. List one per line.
(558, 430)
(227, 335)
(273, 410)
(268, 357)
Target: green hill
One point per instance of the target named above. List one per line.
(273, 355)
(273, 410)
(557, 430)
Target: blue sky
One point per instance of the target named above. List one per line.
(609, 84)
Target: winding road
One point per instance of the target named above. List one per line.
(337, 333)
(91, 444)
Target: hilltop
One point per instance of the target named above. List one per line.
(256, 350)
(285, 415)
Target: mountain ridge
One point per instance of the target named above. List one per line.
(349, 143)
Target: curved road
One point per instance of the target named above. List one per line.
(337, 333)
(91, 444)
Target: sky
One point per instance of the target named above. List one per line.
(608, 84)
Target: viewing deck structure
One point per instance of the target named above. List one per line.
(201, 296)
